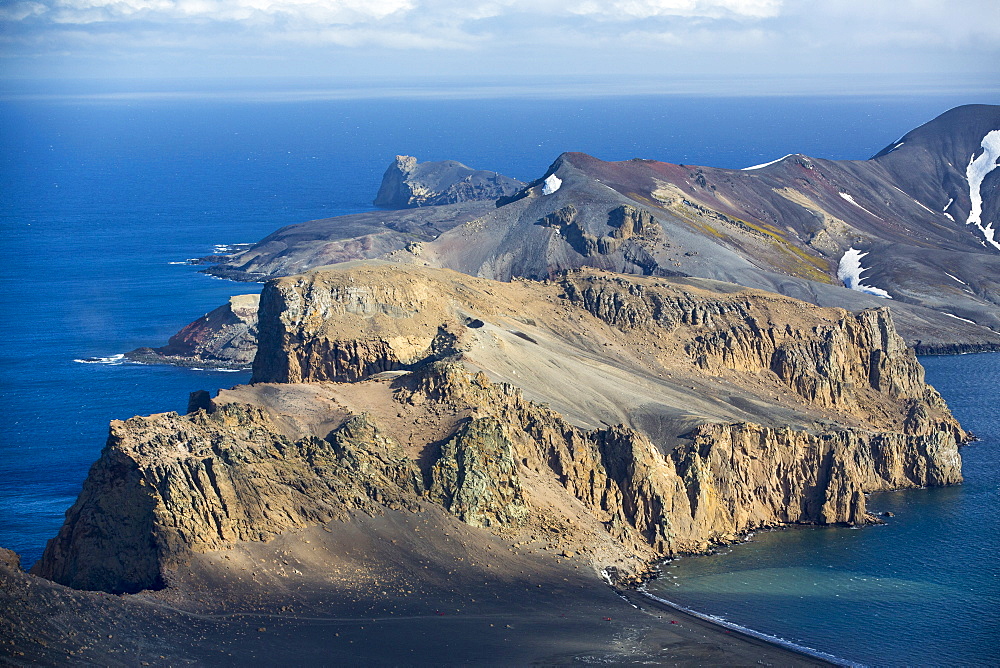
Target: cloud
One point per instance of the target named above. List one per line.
(83, 12)
(645, 9)
(505, 36)
(355, 11)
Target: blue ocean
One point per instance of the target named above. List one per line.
(103, 198)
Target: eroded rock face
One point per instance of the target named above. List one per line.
(847, 413)
(226, 338)
(837, 361)
(167, 484)
(476, 476)
(407, 183)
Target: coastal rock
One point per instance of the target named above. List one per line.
(407, 183)
(464, 429)
(10, 559)
(297, 248)
(168, 485)
(225, 337)
(476, 476)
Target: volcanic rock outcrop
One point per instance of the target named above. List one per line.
(626, 418)
(407, 183)
(225, 337)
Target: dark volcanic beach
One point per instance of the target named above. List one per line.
(541, 611)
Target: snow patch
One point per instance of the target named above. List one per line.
(955, 278)
(852, 201)
(894, 147)
(975, 173)
(945, 209)
(849, 271)
(746, 169)
(551, 184)
(952, 315)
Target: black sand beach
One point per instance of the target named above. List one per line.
(377, 602)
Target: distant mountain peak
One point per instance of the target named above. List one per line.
(408, 183)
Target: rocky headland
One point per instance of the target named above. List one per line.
(224, 338)
(408, 183)
(550, 432)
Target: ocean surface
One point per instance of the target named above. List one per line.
(102, 198)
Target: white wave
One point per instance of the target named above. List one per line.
(113, 359)
(222, 249)
(774, 640)
(184, 262)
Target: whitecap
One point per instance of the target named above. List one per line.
(113, 359)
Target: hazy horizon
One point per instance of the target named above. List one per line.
(510, 47)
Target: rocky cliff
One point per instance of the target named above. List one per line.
(407, 183)
(225, 338)
(624, 419)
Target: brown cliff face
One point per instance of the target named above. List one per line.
(844, 361)
(506, 434)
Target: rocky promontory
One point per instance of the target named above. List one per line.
(475, 413)
(708, 411)
(911, 228)
(226, 338)
(408, 183)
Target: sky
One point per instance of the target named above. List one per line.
(833, 44)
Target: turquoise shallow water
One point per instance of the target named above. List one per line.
(923, 589)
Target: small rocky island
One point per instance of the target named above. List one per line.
(452, 446)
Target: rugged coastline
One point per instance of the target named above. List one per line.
(416, 438)
(394, 414)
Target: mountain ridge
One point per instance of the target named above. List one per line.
(805, 227)
(704, 414)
